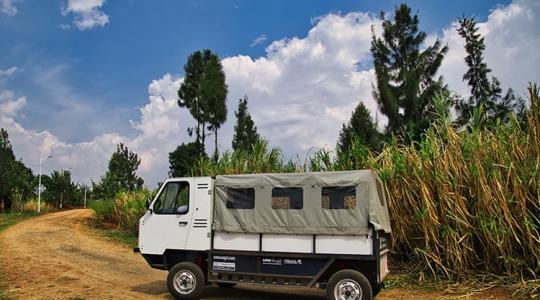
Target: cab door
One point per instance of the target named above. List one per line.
(166, 223)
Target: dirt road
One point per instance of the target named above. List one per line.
(57, 256)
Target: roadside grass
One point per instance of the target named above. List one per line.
(119, 236)
(118, 219)
(114, 233)
(9, 219)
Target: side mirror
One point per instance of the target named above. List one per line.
(148, 202)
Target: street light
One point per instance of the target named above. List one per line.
(41, 159)
(91, 180)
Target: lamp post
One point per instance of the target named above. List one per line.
(91, 181)
(41, 159)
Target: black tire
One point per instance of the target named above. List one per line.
(226, 285)
(349, 280)
(185, 281)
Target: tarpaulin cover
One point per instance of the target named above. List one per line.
(341, 203)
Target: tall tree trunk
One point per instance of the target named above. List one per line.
(203, 138)
(216, 156)
(199, 148)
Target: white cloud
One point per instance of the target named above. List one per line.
(9, 107)
(8, 72)
(305, 88)
(300, 92)
(259, 40)
(7, 7)
(162, 127)
(87, 13)
(9, 104)
(512, 39)
(86, 159)
(159, 132)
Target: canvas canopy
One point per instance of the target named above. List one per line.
(342, 203)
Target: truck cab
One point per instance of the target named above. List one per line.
(179, 218)
(325, 230)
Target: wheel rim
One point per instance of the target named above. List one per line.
(348, 289)
(184, 282)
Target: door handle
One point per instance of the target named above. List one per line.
(182, 223)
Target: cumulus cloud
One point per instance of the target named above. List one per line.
(303, 89)
(512, 38)
(159, 132)
(7, 7)
(85, 159)
(9, 103)
(87, 13)
(8, 72)
(10, 106)
(162, 127)
(259, 40)
(300, 92)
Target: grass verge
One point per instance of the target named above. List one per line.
(119, 236)
(9, 219)
(114, 233)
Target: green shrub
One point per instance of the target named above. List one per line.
(129, 207)
(105, 210)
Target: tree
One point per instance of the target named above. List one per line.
(15, 177)
(485, 93)
(182, 160)
(60, 188)
(405, 75)
(5, 145)
(121, 174)
(214, 90)
(245, 131)
(361, 126)
(203, 92)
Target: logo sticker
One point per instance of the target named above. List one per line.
(224, 266)
(272, 261)
(292, 261)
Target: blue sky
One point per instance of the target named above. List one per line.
(112, 65)
(81, 82)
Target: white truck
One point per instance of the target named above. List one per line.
(326, 230)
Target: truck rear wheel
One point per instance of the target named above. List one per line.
(185, 281)
(348, 285)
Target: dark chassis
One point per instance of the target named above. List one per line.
(227, 268)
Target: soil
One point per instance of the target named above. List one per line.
(58, 256)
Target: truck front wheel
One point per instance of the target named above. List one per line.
(185, 281)
(348, 285)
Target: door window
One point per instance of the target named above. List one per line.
(173, 199)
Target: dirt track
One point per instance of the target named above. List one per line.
(57, 256)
